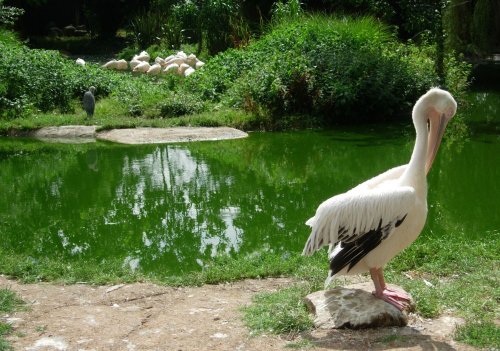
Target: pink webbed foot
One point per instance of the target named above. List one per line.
(397, 294)
(398, 299)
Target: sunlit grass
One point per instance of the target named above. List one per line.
(443, 276)
(450, 275)
(9, 302)
(110, 114)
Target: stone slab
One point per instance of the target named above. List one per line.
(354, 307)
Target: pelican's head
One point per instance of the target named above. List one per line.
(436, 107)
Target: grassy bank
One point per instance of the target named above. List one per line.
(9, 302)
(445, 276)
(314, 68)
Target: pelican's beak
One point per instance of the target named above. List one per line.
(437, 125)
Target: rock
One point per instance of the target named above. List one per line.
(66, 134)
(354, 307)
(169, 135)
(80, 62)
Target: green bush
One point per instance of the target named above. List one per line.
(217, 16)
(42, 80)
(180, 104)
(147, 28)
(338, 69)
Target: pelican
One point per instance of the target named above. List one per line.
(371, 223)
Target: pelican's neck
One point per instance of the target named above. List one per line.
(416, 168)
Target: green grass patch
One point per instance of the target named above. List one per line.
(463, 279)
(456, 276)
(282, 312)
(224, 117)
(484, 335)
(9, 302)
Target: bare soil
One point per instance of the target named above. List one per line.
(145, 316)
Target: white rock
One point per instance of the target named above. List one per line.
(168, 58)
(190, 70)
(80, 62)
(154, 69)
(171, 68)
(142, 67)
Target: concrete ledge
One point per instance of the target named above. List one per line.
(79, 134)
(169, 135)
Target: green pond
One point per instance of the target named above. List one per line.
(174, 207)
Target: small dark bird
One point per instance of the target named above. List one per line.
(89, 102)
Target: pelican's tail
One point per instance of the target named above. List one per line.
(310, 222)
(329, 279)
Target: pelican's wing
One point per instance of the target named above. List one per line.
(370, 215)
(389, 175)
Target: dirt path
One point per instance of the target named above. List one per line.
(145, 316)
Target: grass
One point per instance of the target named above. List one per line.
(110, 115)
(9, 302)
(464, 279)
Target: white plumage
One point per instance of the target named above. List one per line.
(370, 224)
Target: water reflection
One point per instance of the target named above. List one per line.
(172, 208)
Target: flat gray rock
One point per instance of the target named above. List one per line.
(83, 134)
(169, 135)
(354, 307)
(68, 134)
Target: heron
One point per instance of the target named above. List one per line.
(89, 101)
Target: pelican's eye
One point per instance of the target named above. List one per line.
(428, 124)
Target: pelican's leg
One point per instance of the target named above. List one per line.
(380, 290)
(399, 295)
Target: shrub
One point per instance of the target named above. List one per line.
(217, 16)
(180, 104)
(43, 80)
(339, 69)
(147, 28)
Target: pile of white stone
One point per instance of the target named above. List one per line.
(180, 64)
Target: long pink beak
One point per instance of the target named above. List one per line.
(438, 124)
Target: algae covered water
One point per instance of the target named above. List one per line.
(172, 208)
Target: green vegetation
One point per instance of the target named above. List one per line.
(315, 67)
(9, 302)
(463, 280)
(297, 70)
(320, 67)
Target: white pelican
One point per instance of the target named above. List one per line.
(371, 223)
